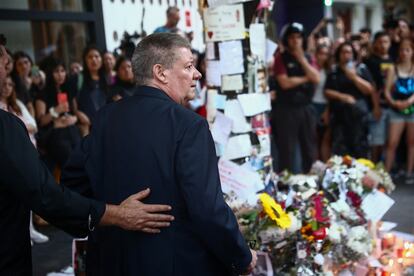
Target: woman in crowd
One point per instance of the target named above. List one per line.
(348, 87)
(109, 65)
(9, 103)
(55, 112)
(94, 90)
(22, 68)
(322, 58)
(399, 93)
(124, 81)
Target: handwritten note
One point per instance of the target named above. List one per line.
(224, 23)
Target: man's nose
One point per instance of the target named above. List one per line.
(197, 75)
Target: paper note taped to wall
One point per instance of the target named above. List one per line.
(213, 73)
(231, 57)
(258, 40)
(221, 128)
(231, 82)
(254, 103)
(234, 111)
(224, 23)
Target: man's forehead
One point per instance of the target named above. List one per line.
(185, 53)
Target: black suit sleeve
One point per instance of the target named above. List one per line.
(212, 219)
(74, 175)
(28, 179)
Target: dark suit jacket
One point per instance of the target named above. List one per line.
(25, 183)
(148, 140)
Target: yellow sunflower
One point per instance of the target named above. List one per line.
(275, 211)
(366, 162)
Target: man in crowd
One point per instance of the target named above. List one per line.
(378, 64)
(292, 116)
(25, 183)
(153, 138)
(173, 17)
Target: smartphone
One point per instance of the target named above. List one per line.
(330, 20)
(350, 64)
(62, 98)
(35, 71)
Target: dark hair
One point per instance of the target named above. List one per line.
(20, 54)
(355, 37)
(339, 49)
(328, 61)
(12, 100)
(172, 10)
(87, 78)
(3, 40)
(50, 67)
(379, 35)
(365, 30)
(158, 48)
(390, 24)
(406, 40)
(119, 61)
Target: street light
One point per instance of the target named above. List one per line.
(328, 3)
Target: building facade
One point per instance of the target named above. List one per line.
(65, 27)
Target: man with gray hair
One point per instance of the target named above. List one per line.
(152, 139)
(25, 183)
(173, 17)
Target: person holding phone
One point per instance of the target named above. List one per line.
(349, 87)
(56, 114)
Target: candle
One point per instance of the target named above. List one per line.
(388, 241)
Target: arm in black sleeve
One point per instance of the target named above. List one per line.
(25, 175)
(211, 217)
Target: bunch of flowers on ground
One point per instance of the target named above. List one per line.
(314, 224)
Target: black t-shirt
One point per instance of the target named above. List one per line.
(338, 81)
(300, 95)
(91, 98)
(378, 68)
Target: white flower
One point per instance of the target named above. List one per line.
(355, 173)
(335, 232)
(319, 259)
(359, 240)
(295, 225)
(304, 182)
(335, 160)
(340, 206)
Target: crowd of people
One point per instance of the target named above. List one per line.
(353, 95)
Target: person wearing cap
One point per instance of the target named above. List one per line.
(26, 184)
(292, 115)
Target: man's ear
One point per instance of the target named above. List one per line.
(159, 73)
